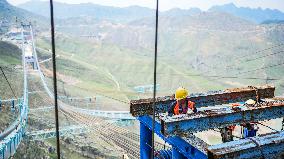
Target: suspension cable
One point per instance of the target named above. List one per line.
(262, 68)
(54, 78)
(258, 69)
(260, 51)
(282, 125)
(267, 126)
(8, 82)
(155, 82)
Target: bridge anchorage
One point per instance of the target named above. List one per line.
(215, 111)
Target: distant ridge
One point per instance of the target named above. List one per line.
(255, 15)
(127, 14)
(62, 10)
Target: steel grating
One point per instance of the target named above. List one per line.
(144, 106)
(210, 119)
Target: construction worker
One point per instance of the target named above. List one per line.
(182, 105)
(227, 133)
(249, 129)
(250, 102)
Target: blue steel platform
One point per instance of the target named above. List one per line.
(192, 147)
(177, 130)
(180, 146)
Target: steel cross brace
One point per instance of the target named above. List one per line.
(144, 106)
(204, 120)
(268, 146)
(195, 150)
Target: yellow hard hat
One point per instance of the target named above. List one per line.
(250, 101)
(181, 93)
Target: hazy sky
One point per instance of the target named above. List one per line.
(168, 4)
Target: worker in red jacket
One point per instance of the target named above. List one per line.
(182, 105)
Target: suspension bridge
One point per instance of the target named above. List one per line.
(13, 135)
(92, 121)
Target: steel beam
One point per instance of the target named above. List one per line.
(145, 142)
(177, 155)
(268, 146)
(210, 119)
(189, 146)
(144, 106)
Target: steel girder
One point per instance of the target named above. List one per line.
(145, 106)
(210, 119)
(268, 146)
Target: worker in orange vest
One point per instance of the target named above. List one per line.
(182, 105)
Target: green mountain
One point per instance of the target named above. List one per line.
(10, 12)
(205, 44)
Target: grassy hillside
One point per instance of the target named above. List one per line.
(209, 43)
(10, 13)
(114, 71)
(10, 56)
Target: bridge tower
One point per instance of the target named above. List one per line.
(28, 46)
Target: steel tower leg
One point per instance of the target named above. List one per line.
(10, 147)
(145, 142)
(3, 153)
(177, 155)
